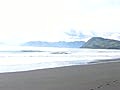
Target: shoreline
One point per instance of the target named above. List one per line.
(104, 61)
(12, 68)
(104, 76)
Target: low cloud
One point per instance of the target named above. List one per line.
(82, 35)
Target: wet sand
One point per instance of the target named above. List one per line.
(104, 76)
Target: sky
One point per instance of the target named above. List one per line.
(52, 20)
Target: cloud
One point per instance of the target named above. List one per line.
(84, 36)
(97, 15)
(51, 20)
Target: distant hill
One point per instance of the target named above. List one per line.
(75, 44)
(101, 43)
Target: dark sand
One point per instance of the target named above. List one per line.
(105, 76)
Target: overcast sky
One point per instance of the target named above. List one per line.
(49, 20)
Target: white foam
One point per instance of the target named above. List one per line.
(50, 57)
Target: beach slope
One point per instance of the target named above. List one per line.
(105, 76)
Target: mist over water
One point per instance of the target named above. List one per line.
(22, 58)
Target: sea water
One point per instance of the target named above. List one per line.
(22, 58)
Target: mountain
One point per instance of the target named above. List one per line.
(75, 44)
(101, 43)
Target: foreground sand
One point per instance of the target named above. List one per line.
(86, 77)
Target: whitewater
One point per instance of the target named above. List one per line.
(24, 58)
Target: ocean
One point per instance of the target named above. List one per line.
(24, 58)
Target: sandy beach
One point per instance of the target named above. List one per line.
(105, 76)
